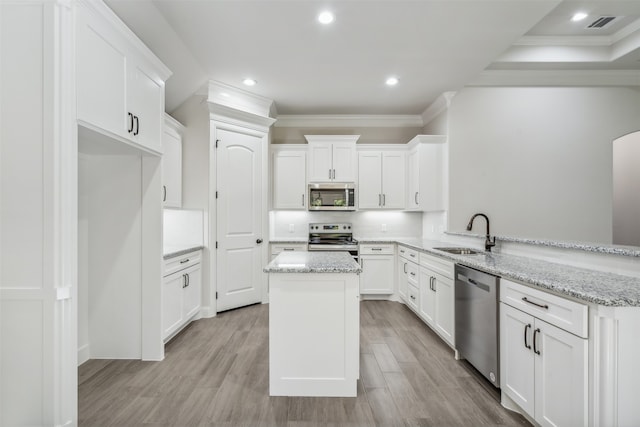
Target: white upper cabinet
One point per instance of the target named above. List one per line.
(426, 173)
(332, 158)
(289, 177)
(172, 163)
(120, 83)
(381, 179)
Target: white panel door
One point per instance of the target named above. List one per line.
(444, 320)
(561, 377)
(145, 98)
(377, 274)
(427, 306)
(289, 179)
(239, 228)
(101, 75)
(393, 177)
(517, 357)
(344, 162)
(320, 162)
(171, 170)
(369, 180)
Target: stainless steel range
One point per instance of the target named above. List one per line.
(333, 237)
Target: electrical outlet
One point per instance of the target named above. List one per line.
(383, 228)
(292, 228)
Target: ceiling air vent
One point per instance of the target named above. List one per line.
(602, 22)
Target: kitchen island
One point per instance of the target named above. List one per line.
(314, 324)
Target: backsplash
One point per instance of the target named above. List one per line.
(182, 227)
(294, 224)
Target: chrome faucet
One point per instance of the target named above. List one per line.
(488, 243)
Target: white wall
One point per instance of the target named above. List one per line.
(366, 224)
(537, 160)
(626, 190)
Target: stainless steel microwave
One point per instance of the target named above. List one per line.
(332, 196)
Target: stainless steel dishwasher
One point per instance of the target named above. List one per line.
(476, 314)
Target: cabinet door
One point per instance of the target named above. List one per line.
(172, 295)
(344, 162)
(192, 291)
(101, 75)
(171, 170)
(320, 166)
(377, 274)
(561, 377)
(369, 180)
(145, 100)
(431, 177)
(402, 278)
(427, 297)
(444, 320)
(289, 179)
(517, 357)
(413, 179)
(393, 176)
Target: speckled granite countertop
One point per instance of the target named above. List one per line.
(174, 251)
(592, 286)
(313, 262)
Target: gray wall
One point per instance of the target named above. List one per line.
(368, 135)
(537, 160)
(626, 190)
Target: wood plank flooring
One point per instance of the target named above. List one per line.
(215, 373)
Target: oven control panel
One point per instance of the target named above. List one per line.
(316, 228)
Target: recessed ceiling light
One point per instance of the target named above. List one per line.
(392, 81)
(326, 17)
(579, 16)
(249, 82)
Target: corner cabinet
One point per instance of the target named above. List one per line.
(181, 292)
(426, 173)
(381, 179)
(378, 269)
(289, 176)
(172, 163)
(331, 158)
(543, 355)
(120, 82)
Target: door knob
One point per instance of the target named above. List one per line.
(259, 241)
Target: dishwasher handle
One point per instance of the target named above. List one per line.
(465, 279)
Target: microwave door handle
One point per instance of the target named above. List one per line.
(347, 198)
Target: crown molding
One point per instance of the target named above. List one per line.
(232, 97)
(233, 116)
(441, 104)
(348, 120)
(557, 78)
(564, 41)
(427, 139)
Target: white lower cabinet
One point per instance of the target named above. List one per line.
(402, 278)
(277, 248)
(378, 269)
(543, 368)
(181, 292)
(436, 296)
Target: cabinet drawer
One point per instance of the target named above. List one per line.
(410, 254)
(412, 297)
(563, 313)
(412, 273)
(288, 247)
(369, 249)
(437, 265)
(181, 262)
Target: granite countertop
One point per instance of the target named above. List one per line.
(174, 251)
(313, 262)
(592, 286)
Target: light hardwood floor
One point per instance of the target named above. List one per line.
(215, 373)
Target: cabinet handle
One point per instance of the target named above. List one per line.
(415, 198)
(384, 200)
(164, 193)
(405, 268)
(188, 279)
(412, 255)
(130, 128)
(329, 173)
(526, 344)
(376, 249)
(184, 261)
(412, 273)
(288, 249)
(303, 200)
(545, 306)
(535, 349)
(184, 281)
(412, 297)
(137, 125)
(258, 241)
(433, 284)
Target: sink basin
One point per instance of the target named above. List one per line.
(459, 251)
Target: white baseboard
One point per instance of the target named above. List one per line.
(83, 354)
(206, 313)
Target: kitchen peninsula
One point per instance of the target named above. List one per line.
(314, 323)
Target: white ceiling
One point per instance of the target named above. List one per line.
(432, 46)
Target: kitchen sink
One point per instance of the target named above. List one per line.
(459, 251)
